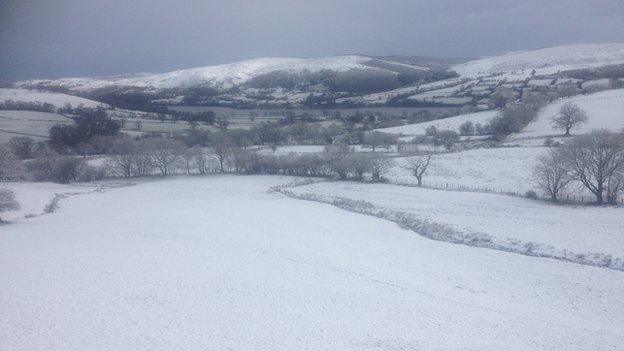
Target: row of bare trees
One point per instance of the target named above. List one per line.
(595, 160)
(143, 157)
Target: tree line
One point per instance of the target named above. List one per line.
(595, 160)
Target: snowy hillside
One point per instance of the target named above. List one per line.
(228, 75)
(56, 99)
(546, 61)
(605, 110)
(452, 123)
(349, 80)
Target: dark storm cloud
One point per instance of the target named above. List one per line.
(54, 38)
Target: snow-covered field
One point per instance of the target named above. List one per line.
(517, 224)
(300, 149)
(452, 123)
(545, 61)
(497, 169)
(35, 197)
(604, 109)
(28, 123)
(56, 99)
(218, 263)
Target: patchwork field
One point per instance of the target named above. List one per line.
(28, 123)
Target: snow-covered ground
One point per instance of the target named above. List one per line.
(517, 224)
(35, 197)
(300, 149)
(218, 263)
(604, 109)
(33, 124)
(545, 61)
(452, 123)
(56, 99)
(497, 169)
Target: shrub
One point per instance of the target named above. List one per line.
(447, 138)
(11, 168)
(467, 128)
(431, 131)
(7, 201)
(90, 173)
(530, 194)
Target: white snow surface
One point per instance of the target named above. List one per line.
(56, 99)
(605, 110)
(546, 60)
(218, 263)
(452, 123)
(507, 169)
(509, 220)
(221, 76)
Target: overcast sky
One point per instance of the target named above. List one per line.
(61, 38)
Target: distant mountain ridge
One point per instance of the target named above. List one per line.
(230, 75)
(344, 80)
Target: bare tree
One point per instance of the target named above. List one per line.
(597, 160)
(467, 128)
(201, 160)
(10, 167)
(360, 164)
(569, 116)
(379, 139)
(552, 173)
(446, 137)
(142, 158)
(188, 156)
(380, 165)
(223, 149)
(164, 153)
(338, 156)
(7, 201)
(615, 185)
(125, 152)
(418, 166)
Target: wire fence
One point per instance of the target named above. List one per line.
(564, 198)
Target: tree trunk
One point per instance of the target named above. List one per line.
(599, 199)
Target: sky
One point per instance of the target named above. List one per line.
(68, 38)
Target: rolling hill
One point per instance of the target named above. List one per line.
(354, 80)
